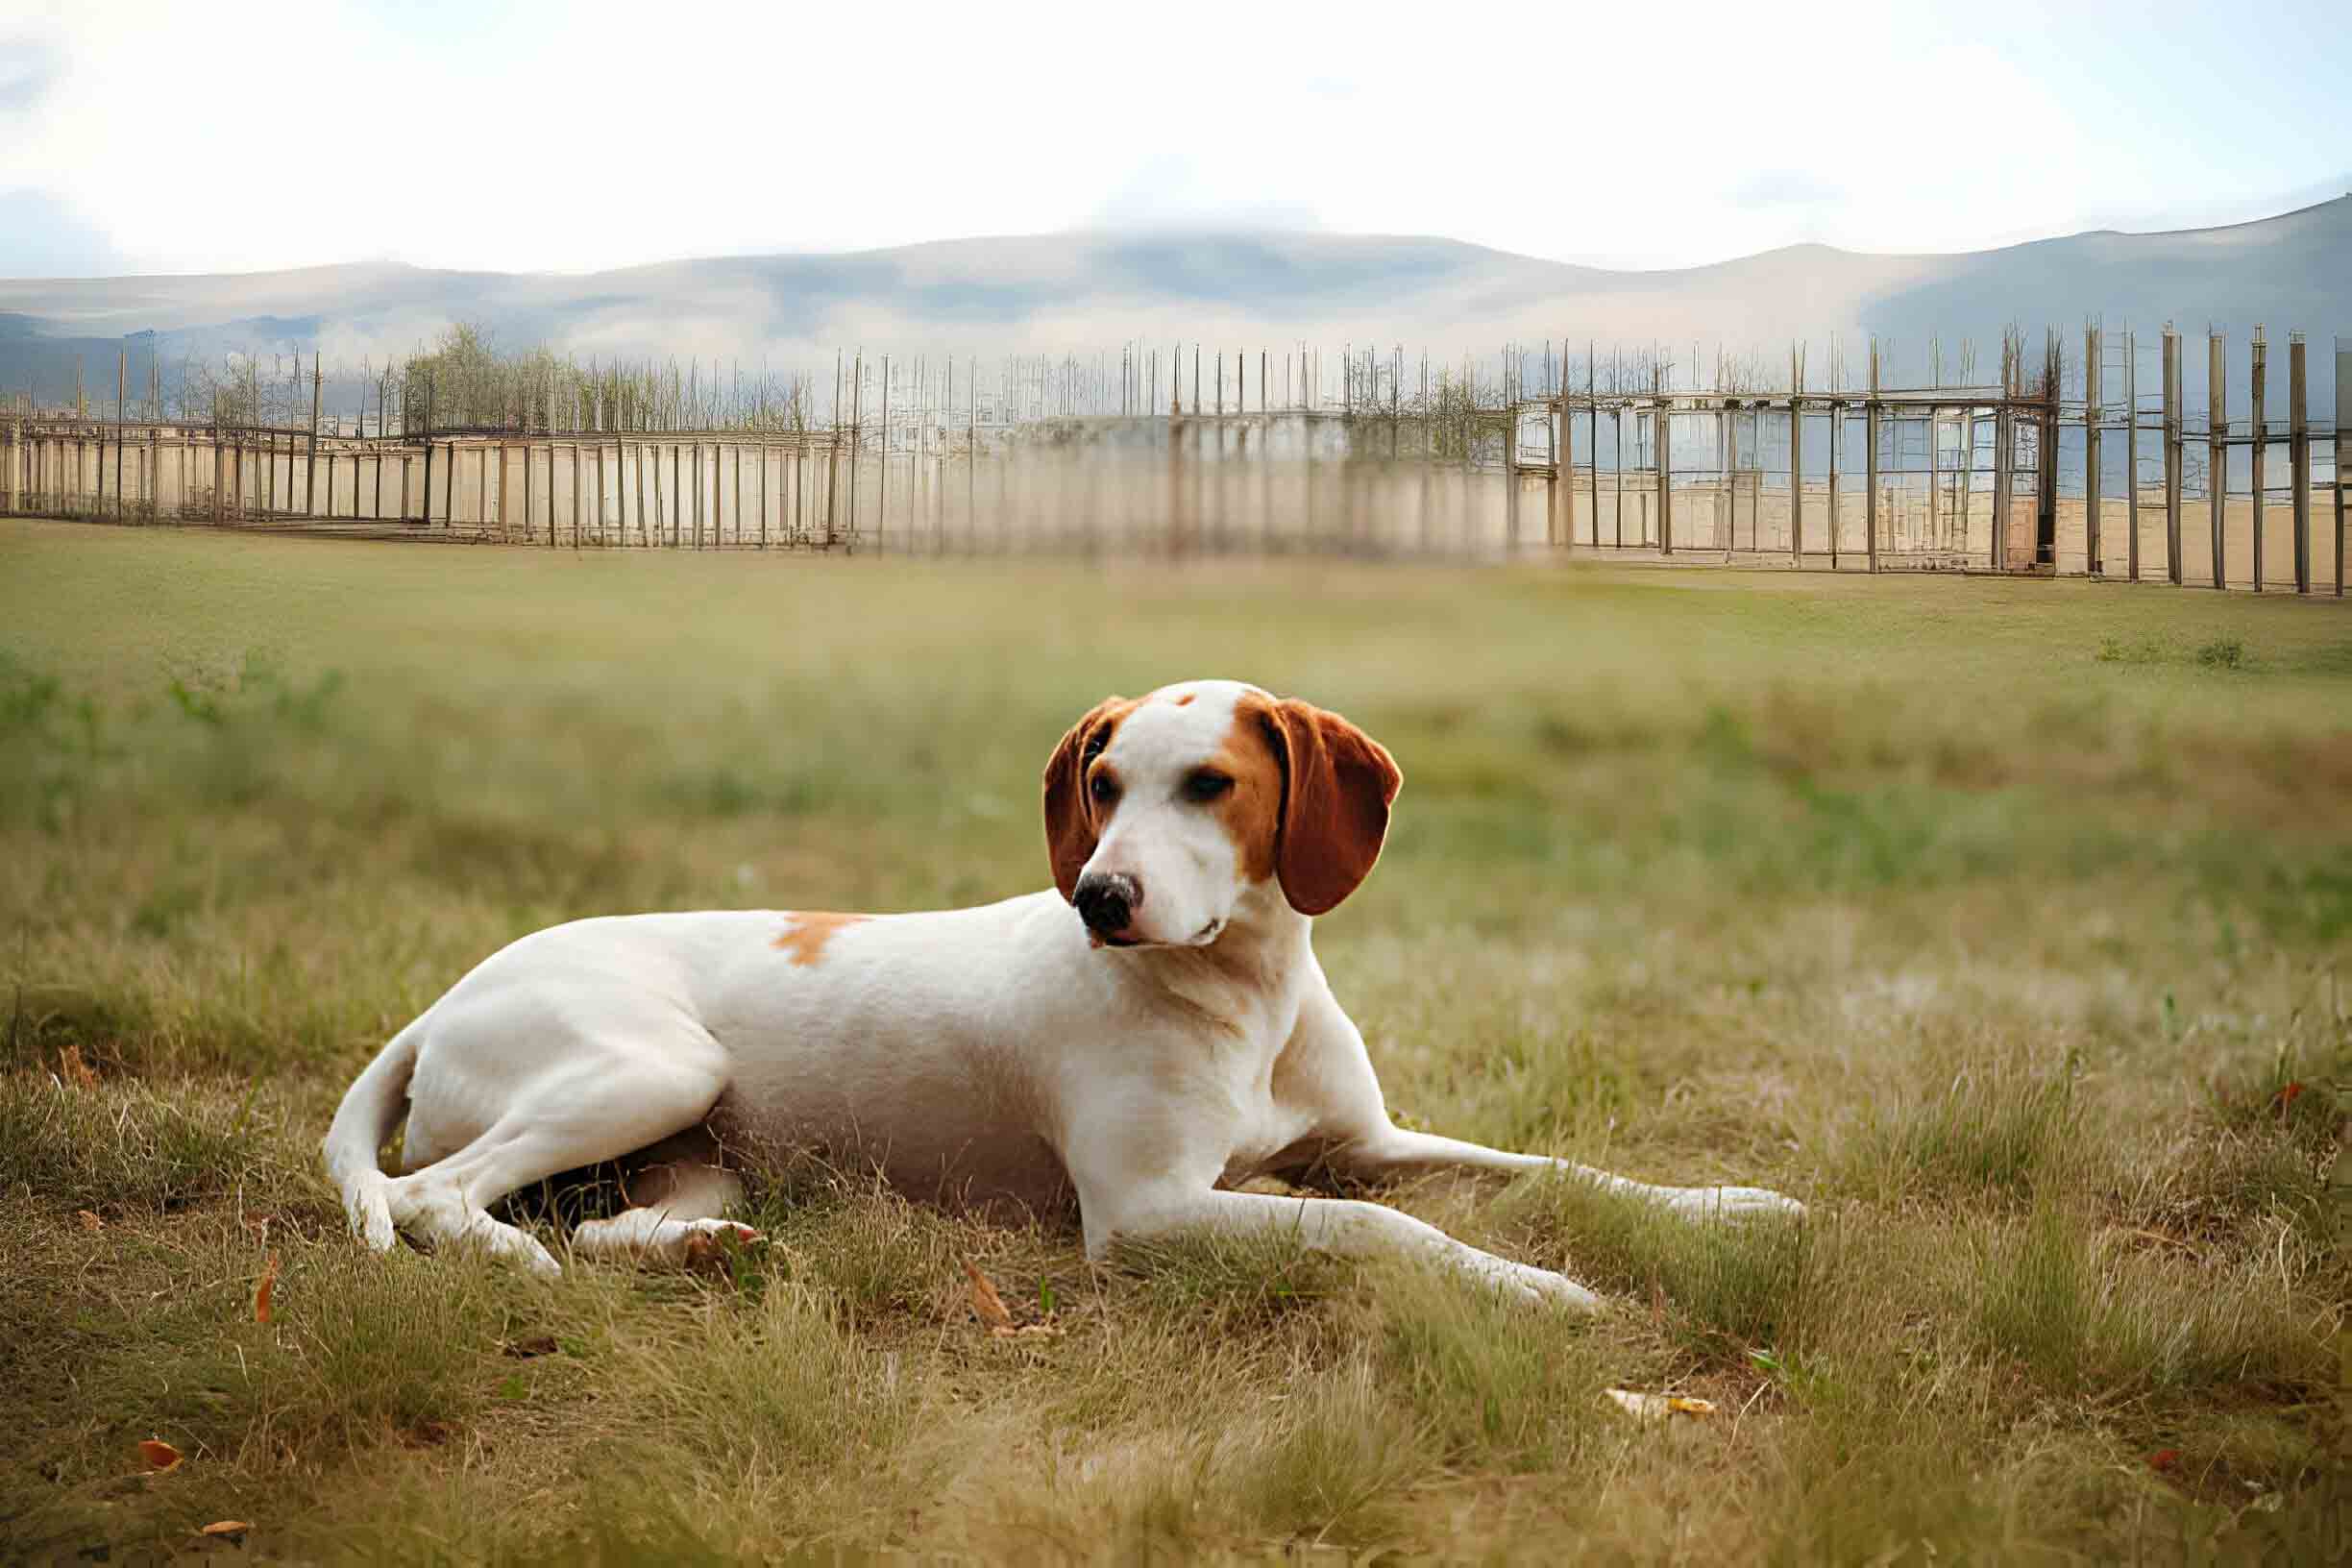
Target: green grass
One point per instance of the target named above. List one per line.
(2006, 922)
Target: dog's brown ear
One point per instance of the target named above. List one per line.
(1070, 824)
(1337, 783)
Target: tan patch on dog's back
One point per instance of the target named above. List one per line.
(1252, 809)
(807, 931)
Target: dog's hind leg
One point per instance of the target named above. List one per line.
(676, 1196)
(597, 1098)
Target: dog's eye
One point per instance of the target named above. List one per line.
(1204, 786)
(1103, 787)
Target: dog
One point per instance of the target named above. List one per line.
(1143, 1040)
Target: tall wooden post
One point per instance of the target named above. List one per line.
(318, 379)
(1796, 458)
(2096, 556)
(122, 372)
(1511, 472)
(2217, 447)
(2261, 432)
(2172, 455)
(1869, 419)
(1592, 435)
(1557, 531)
(2342, 450)
(1837, 445)
(2004, 455)
(2045, 468)
(2299, 464)
(2131, 447)
(1663, 417)
(429, 453)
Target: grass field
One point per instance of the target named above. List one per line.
(2006, 922)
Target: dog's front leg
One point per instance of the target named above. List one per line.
(1332, 1082)
(1343, 1226)
(1385, 1152)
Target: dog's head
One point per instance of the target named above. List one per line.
(1163, 812)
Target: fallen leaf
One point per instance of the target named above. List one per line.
(74, 1069)
(160, 1454)
(2164, 1459)
(523, 1350)
(1655, 1407)
(265, 1289)
(226, 1526)
(1027, 1331)
(90, 1221)
(986, 1302)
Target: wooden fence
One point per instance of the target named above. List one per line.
(2092, 475)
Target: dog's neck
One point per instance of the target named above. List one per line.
(1247, 969)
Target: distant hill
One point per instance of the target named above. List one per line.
(1230, 291)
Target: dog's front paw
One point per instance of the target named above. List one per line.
(1731, 1202)
(1541, 1287)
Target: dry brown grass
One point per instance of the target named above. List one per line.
(2021, 964)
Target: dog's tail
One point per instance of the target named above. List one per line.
(354, 1142)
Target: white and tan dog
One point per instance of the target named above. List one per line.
(1168, 1037)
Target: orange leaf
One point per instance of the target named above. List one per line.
(226, 1526)
(1655, 1407)
(90, 1221)
(158, 1454)
(986, 1302)
(264, 1292)
(74, 1069)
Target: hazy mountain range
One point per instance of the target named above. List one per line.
(1232, 292)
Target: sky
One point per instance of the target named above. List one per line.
(151, 137)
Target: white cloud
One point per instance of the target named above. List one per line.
(571, 137)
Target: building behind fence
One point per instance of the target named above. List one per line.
(2069, 464)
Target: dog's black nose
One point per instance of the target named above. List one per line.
(1107, 902)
